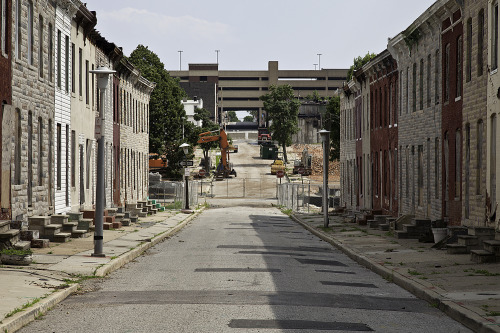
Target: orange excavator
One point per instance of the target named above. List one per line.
(225, 168)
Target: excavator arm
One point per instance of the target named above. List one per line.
(221, 136)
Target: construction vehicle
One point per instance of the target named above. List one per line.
(277, 165)
(225, 168)
(263, 136)
(158, 163)
(304, 164)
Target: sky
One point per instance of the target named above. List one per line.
(248, 34)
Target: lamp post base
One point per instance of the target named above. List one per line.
(99, 255)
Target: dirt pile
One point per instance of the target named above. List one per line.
(317, 161)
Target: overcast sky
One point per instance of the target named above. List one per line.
(250, 33)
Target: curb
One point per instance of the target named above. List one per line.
(26, 316)
(428, 293)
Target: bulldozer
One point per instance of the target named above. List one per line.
(304, 164)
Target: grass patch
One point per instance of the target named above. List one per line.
(482, 272)
(16, 252)
(23, 307)
(389, 234)
(174, 205)
(413, 272)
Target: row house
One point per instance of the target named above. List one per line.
(432, 117)
(348, 174)
(50, 101)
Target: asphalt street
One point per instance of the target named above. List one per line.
(244, 269)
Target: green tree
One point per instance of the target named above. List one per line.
(232, 117)
(332, 124)
(315, 97)
(248, 118)
(358, 63)
(282, 112)
(207, 126)
(165, 109)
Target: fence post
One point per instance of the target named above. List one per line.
(244, 189)
(227, 188)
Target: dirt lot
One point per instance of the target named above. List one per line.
(316, 151)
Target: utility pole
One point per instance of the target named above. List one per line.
(315, 66)
(319, 61)
(180, 60)
(217, 51)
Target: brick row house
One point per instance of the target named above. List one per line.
(430, 105)
(50, 101)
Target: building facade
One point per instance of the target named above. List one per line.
(348, 167)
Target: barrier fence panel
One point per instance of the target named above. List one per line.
(171, 193)
(238, 188)
(302, 196)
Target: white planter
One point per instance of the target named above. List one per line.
(16, 259)
(439, 234)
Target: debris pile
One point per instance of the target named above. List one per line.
(316, 150)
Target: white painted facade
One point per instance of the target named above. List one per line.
(82, 157)
(190, 106)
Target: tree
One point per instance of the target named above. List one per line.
(232, 117)
(282, 112)
(208, 125)
(248, 118)
(358, 63)
(332, 124)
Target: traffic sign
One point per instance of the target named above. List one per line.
(280, 173)
(202, 172)
(186, 163)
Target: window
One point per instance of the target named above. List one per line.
(59, 69)
(4, 38)
(30, 158)
(17, 152)
(18, 29)
(447, 73)
(458, 162)
(436, 77)
(80, 74)
(88, 168)
(66, 64)
(436, 167)
(493, 159)
(59, 160)
(40, 46)
(428, 90)
(73, 159)
(494, 42)
(467, 170)
(468, 54)
(421, 85)
(87, 82)
(67, 166)
(480, 42)
(479, 160)
(420, 175)
(40, 151)
(72, 67)
(459, 68)
(30, 33)
(407, 89)
(414, 88)
(51, 51)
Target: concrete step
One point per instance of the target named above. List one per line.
(482, 231)
(61, 237)
(84, 224)
(142, 214)
(28, 235)
(125, 222)
(134, 219)
(467, 240)
(457, 249)
(401, 234)
(482, 256)
(120, 210)
(22, 245)
(425, 223)
(112, 211)
(70, 227)
(117, 225)
(51, 229)
(119, 217)
(109, 219)
(59, 219)
(492, 246)
(88, 214)
(4, 225)
(10, 237)
(40, 243)
(75, 216)
(384, 227)
(38, 221)
(107, 226)
(80, 234)
(373, 224)
(131, 206)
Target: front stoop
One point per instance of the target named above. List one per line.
(482, 256)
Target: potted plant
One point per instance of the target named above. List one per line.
(16, 257)
(439, 230)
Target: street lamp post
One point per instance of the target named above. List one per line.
(102, 73)
(217, 51)
(180, 59)
(325, 138)
(319, 61)
(185, 148)
(183, 127)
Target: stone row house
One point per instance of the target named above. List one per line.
(419, 121)
(50, 101)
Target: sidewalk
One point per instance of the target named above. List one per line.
(26, 292)
(465, 291)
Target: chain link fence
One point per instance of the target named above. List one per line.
(170, 193)
(306, 196)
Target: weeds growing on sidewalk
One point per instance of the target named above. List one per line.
(25, 306)
(480, 272)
